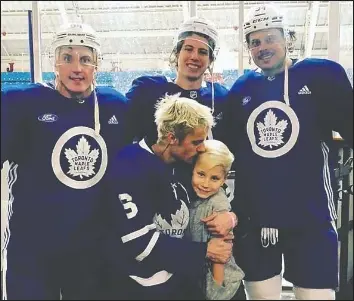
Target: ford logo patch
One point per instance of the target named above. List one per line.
(48, 118)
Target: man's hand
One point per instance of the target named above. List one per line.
(229, 237)
(219, 250)
(220, 223)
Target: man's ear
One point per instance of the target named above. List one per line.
(172, 139)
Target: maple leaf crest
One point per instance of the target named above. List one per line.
(271, 132)
(179, 222)
(180, 219)
(82, 161)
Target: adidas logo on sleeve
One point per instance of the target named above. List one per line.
(113, 120)
(304, 90)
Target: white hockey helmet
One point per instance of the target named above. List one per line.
(76, 34)
(263, 17)
(200, 25)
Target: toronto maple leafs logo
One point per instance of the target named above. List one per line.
(79, 158)
(271, 131)
(179, 218)
(82, 162)
(179, 222)
(274, 137)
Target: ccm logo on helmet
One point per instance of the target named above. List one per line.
(260, 20)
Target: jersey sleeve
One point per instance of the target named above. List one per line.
(237, 135)
(232, 121)
(14, 128)
(135, 119)
(336, 100)
(134, 198)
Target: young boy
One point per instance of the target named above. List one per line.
(210, 172)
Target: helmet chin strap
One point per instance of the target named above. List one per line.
(286, 76)
(97, 112)
(286, 82)
(211, 70)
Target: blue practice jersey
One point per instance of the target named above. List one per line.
(57, 165)
(150, 214)
(284, 167)
(147, 90)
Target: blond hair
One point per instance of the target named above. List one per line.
(218, 153)
(180, 116)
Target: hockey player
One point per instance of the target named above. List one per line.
(57, 141)
(194, 52)
(149, 209)
(286, 111)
